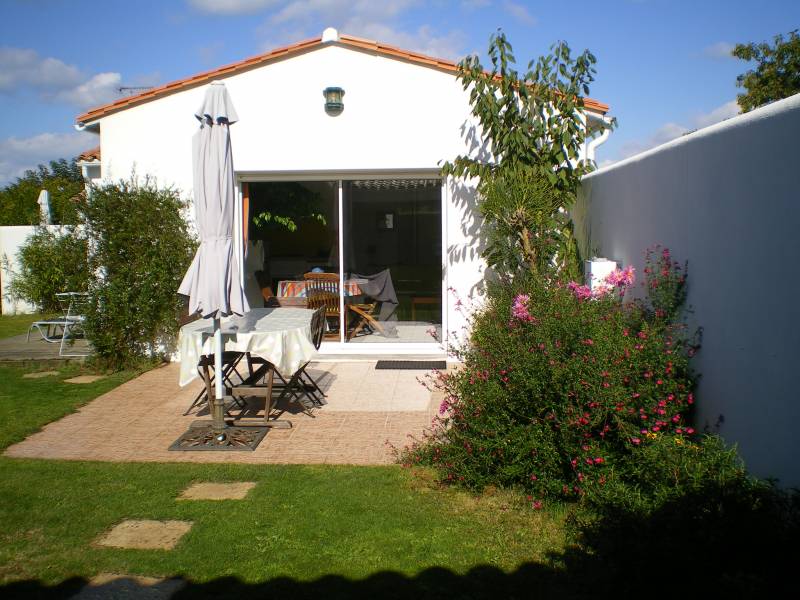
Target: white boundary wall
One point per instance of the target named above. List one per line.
(727, 199)
(11, 239)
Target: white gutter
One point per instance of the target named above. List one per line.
(594, 143)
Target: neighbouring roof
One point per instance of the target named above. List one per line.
(279, 54)
(90, 155)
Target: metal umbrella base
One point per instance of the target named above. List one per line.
(202, 436)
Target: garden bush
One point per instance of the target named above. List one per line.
(141, 246)
(689, 504)
(50, 263)
(561, 387)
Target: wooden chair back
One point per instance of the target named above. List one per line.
(318, 326)
(322, 290)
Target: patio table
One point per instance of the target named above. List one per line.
(281, 337)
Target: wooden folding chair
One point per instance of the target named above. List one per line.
(301, 384)
(229, 362)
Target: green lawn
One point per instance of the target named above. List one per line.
(11, 325)
(355, 531)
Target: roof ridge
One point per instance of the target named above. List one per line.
(277, 53)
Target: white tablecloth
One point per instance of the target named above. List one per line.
(281, 336)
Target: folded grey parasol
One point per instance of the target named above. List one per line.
(212, 281)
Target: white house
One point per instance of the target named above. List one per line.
(372, 170)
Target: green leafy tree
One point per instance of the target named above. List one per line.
(531, 120)
(62, 178)
(524, 226)
(50, 263)
(776, 74)
(532, 131)
(140, 248)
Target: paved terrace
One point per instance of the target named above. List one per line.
(19, 349)
(367, 410)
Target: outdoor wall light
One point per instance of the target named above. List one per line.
(333, 100)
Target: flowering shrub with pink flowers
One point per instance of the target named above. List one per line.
(665, 282)
(559, 387)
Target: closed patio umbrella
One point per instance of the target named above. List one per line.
(212, 281)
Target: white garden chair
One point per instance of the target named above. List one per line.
(64, 330)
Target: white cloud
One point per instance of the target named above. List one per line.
(99, 89)
(670, 131)
(423, 40)
(231, 7)
(23, 70)
(333, 11)
(726, 111)
(362, 18)
(519, 12)
(20, 154)
(720, 50)
(20, 67)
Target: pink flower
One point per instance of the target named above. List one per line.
(519, 310)
(628, 275)
(636, 441)
(600, 291)
(537, 505)
(621, 277)
(582, 292)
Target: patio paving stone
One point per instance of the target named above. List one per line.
(131, 587)
(138, 421)
(84, 379)
(39, 374)
(231, 490)
(145, 534)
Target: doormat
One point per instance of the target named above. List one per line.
(421, 365)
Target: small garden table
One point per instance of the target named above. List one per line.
(277, 338)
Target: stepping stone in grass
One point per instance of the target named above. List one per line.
(84, 379)
(40, 374)
(146, 535)
(131, 587)
(234, 490)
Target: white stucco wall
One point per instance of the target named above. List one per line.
(725, 198)
(397, 116)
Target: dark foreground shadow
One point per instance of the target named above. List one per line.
(531, 580)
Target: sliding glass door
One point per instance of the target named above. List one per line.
(382, 237)
(393, 255)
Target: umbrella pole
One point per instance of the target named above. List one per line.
(219, 397)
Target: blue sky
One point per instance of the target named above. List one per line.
(663, 66)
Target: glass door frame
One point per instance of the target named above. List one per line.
(341, 346)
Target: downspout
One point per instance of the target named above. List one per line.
(84, 167)
(595, 143)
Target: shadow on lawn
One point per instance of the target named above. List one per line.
(719, 541)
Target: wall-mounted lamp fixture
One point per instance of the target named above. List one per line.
(334, 104)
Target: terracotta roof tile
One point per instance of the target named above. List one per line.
(90, 155)
(279, 54)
